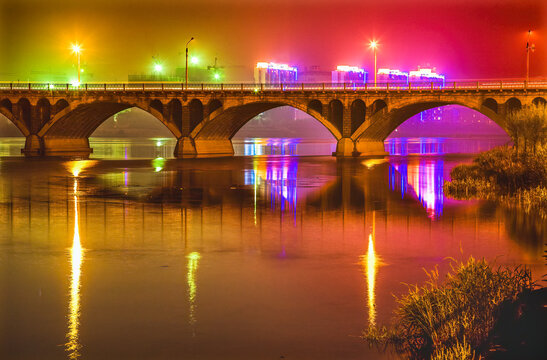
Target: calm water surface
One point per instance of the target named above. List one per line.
(253, 257)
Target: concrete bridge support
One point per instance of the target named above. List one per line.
(63, 147)
(370, 148)
(186, 148)
(345, 147)
(214, 148)
(36, 146)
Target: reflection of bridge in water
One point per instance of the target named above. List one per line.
(57, 120)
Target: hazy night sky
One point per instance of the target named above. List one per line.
(462, 38)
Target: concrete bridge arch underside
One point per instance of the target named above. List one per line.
(205, 122)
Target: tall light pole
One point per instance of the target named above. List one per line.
(528, 48)
(186, 79)
(374, 45)
(77, 49)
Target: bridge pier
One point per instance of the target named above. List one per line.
(66, 147)
(370, 148)
(345, 147)
(185, 148)
(214, 148)
(34, 146)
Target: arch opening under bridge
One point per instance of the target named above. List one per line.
(212, 136)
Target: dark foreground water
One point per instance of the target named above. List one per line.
(258, 257)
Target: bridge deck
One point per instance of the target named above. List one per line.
(249, 87)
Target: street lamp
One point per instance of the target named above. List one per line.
(374, 45)
(77, 49)
(186, 79)
(528, 48)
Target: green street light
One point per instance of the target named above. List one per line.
(77, 49)
(158, 68)
(194, 60)
(216, 76)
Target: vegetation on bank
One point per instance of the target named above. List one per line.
(456, 319)
(516, 175)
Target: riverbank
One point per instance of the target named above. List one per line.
(503, 175)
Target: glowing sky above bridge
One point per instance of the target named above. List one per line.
(462, 38)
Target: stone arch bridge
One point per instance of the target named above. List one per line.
(58, 121)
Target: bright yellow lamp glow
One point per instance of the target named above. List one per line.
(194, 60)
(374, 45)
(76, 48)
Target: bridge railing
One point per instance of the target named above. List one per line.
(249, 87)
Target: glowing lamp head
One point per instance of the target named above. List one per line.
(158, 68)
(76, 48)
(217, 76)
(194, 60)
(373, 44)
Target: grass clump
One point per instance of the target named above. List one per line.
(452, 320)
(516, 174)
(504, 175)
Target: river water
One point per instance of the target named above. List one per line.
(266, 256)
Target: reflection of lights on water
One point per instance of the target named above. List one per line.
(258, 147)
(425, 177)
(77, 256)
(158, 164)
(371, 264)
(76, 167)
(192, 267)
(420, 146)
(279, 179)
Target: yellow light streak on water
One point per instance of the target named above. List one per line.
(77, 166)
(193, 260)
(77, 255)
(372, 264)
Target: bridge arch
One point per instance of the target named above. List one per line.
(60, 105)
(513, 104)
(24, 112)
(226, 123)
(336, 114)
(43, 111)
(358, 113)
(378, 105)
(157, 105)
(491, 104)
(85, 118)
(6, 104)
(174, 113)
(539, 101)
(6, 109)
(382, 124)
(316, 105)
(195, 108)
(213, 105)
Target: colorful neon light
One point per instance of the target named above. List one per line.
(350, 69)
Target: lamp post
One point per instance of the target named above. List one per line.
(528, 48)
(374, 45)
(186, 78)
(77, 49)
